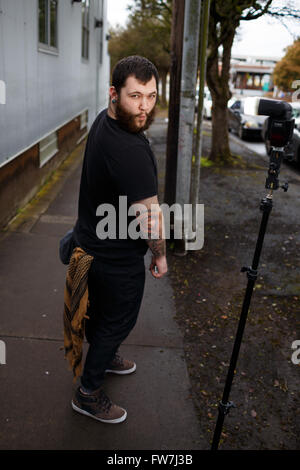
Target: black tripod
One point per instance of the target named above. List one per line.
(272, 183)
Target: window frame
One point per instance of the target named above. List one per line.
(101, 33)
(85, 30)
(46, 46)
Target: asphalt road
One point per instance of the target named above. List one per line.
(257, 147)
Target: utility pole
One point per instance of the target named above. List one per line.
(187, 107)
(195, 178)
(174, 100)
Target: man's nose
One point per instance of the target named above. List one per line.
(144, 105)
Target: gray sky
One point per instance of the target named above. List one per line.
(265, 36)
(261, 37)
(116, 11)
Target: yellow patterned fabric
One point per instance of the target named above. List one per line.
(76, 297)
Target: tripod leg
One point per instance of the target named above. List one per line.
(224, 406)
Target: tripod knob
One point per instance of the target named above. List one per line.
(251, 273)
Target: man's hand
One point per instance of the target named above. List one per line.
(161, 265)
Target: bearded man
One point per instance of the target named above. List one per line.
(118, 161)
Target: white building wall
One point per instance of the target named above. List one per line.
(45, 90)
(104, 69)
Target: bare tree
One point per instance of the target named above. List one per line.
(225, 18)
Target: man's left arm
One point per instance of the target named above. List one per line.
(151, 223)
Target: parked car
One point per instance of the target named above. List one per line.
(295, 145)
(296, 113)
(242, 124)
(207, 104)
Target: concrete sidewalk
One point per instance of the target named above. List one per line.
(36, 385)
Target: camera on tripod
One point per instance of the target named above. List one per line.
(280, 124)
(279, 131)
(280, 128)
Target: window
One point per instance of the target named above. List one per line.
(48, 148)
(48, 23)
(249, 80)
(296, 113)
(265, 81)
(257, 79)
(85, 17)
(101, 33)
(2, 92)
(236, 105)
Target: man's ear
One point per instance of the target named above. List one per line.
(113, 94)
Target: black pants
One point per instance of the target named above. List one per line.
(115, 295)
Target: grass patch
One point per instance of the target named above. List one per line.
(206, 162)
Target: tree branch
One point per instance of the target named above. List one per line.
(251, 15)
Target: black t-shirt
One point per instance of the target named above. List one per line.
(116, 163)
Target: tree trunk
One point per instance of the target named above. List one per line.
(163, 79)
(218, 83)
(220, 150)
(174, 101)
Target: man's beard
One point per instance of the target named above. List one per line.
(127, 120)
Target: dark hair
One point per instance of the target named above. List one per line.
(140, 67)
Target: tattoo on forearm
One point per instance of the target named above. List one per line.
(151, 226)
(158, 247)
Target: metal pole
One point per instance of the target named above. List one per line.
(195, 181)
(225, 405)
(187, 101)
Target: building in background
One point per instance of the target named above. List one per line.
(54, 78)
(252, 75)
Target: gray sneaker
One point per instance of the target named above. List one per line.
(97, 405)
